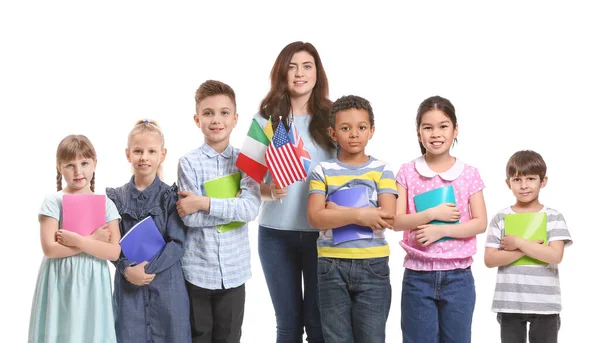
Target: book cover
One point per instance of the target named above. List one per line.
(83, 213)
(356, 197)
(143, 241)
(434, 198)
(529, 226)
(224, 187)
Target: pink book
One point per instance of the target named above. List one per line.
(83, 213)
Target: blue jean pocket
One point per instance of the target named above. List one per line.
(379, 267)
(324, 266)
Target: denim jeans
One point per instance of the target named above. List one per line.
(288, 258)
(354, 298)
(437, 306)
(543, 328)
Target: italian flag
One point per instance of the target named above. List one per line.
(251, 159)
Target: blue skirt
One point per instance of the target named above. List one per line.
(72, 302)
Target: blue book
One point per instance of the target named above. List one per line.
(142, 242)
(356, 197)
(434, 198)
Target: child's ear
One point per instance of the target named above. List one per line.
(127, 154)
(508, 183)
(332, 134)
(197, 119)
(235, 119)
(371, 132)
(544, 182)
(164, 154)
(455, 131)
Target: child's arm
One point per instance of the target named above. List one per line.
(102, 250)
(321, 217)
(429, 233)
(193, 208)
(387, 202)
(239, 209)
(558, 236)
(495, 257)
(551, 253)
(50, 247)
(173, 250)
(404, 221)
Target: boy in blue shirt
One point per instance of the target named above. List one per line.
(215, 265)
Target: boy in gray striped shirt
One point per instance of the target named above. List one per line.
(531, 292)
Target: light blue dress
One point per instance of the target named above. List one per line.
(73, 295)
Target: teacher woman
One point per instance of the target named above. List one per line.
(286, 242)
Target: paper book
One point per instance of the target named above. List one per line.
(529, 226)
(83, 213)
(143, 241)
(356, 197)
(223, 188)
(434, 198)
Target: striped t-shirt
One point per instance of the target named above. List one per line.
(332, 175)
(528, 288)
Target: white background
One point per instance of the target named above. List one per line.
(522, 75)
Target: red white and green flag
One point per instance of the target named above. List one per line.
(251, 159)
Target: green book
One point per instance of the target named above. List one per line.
(529, 226)
(224, 187)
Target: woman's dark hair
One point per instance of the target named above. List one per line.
(277, 103)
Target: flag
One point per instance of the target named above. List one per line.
(298, 144)
(269, 129)
(251, 159)
(282, 161)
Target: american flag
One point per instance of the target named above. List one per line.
(298, 144)
(282, 160)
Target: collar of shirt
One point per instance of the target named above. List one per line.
(449, 175)
(210, 152)
(136, 193)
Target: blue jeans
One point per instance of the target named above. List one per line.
(354, 298)
(287, 258)
(437, 306)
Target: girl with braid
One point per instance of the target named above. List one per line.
(72, 301)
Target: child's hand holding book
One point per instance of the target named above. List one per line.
(511, 242)
(446, 212)
(68, 238)
(430, 233)
(373, 217)
(101, 234)
(137, 274)
(191, 203)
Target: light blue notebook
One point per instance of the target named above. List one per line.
(433, 198)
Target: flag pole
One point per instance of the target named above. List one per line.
(280, 199)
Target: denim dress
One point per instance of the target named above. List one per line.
(158, 312)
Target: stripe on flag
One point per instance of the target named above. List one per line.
(282, 160)
(251, 159)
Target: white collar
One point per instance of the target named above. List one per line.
(449, 175)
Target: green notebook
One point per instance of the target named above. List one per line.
(224, 187)
(529, 226)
